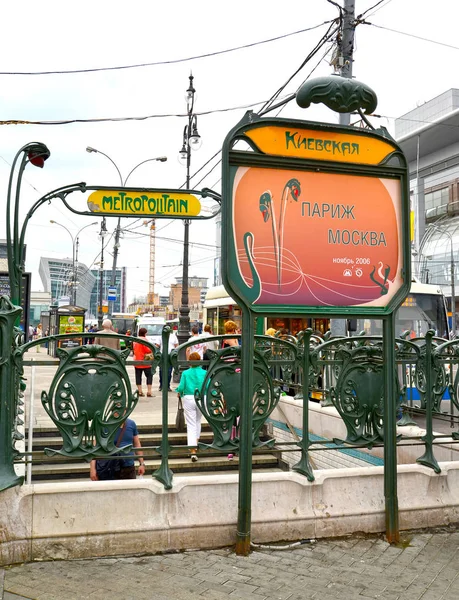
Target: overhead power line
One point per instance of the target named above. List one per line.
(417, 37)
(166, 62)
(119, 119)
(331, 31)
(365, 12)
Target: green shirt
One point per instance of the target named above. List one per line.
(191, 380)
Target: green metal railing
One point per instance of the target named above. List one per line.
(90, 395)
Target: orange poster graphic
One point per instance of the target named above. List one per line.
(318, 239)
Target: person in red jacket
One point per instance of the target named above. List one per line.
(140, 352)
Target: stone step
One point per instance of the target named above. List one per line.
(146, 439)
(45, 431)
(65, 470)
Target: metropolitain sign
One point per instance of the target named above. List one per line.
(144, 203)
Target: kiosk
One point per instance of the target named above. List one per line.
(66, 319)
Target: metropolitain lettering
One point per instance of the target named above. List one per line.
(162, 204)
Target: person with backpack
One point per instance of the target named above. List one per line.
(121, 468)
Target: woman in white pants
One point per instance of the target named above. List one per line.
(191, 380)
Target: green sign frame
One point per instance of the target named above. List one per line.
(302, 155)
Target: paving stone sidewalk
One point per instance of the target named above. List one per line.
(425, 566)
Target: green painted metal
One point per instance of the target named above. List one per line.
(304, 466)
(391, 395)
(164, 473)
(338, 93)
(90, 397)
(10, 402)
(439, 376)
(428, 459)
(244, 518)
(220, 399)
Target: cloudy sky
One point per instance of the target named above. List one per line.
(405, 71)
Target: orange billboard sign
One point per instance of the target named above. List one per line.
(323, 239)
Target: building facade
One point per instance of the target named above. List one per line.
(429, 137)
(197, 288)
(106, 277)
(57, 278)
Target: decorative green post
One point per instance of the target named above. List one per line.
(163, 473)
(390, 431)
(428, 459)
(8, 315)
(303, 466)
(35, 153)
(244, 518)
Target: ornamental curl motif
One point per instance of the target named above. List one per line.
(338, 93)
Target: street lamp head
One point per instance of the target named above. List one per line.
(195, 138)
(90, 149)
(162, 158)
(37, 154)
(103, 229)
(183, 155)
(191, 92)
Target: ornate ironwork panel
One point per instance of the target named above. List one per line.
(220, 397)
(89, 398)
(359, 392)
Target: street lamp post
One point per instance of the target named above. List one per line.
(34, 153)
(191, 141)
(90, 149)
(75, 243)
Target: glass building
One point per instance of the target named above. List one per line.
(120, 284)
(57, 279)
(429, 137)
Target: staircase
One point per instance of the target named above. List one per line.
(59, 468)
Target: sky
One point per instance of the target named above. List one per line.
(404, 71)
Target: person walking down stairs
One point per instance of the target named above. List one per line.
(191, 380)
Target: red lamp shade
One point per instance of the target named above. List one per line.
(37, 159)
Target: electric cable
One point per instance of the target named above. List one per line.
(219, 151)
(370, 9)
(417, 37)
(331, 31)
(209, 172)
(122, 119)
(309, 75)
(168, 62)
(140, 235)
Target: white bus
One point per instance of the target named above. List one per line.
(423, 309)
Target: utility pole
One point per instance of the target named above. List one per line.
(345, 60)
(102, 234)
(151, 275)
(347, 49)
(115, 259)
